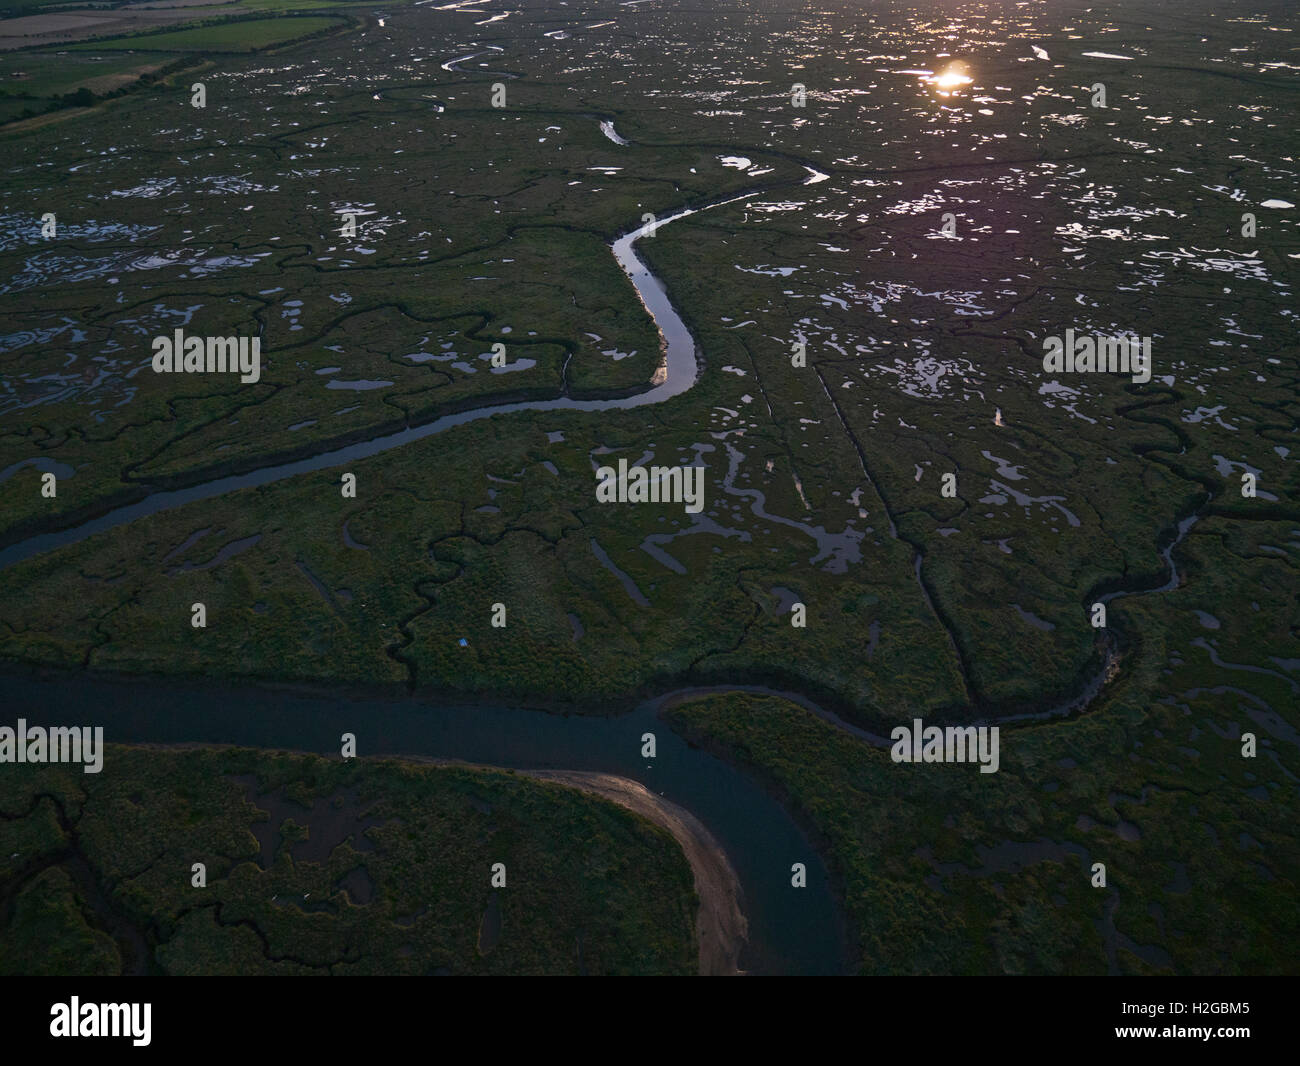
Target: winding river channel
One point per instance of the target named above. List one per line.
(677, 374)
(790, 931)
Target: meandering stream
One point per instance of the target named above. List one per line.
(790, 930)
(794, 931)
(678, 373)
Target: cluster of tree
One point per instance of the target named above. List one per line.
(84, 97)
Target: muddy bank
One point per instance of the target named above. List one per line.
(721, 927)
(738, 838)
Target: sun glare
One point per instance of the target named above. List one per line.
(950, 79)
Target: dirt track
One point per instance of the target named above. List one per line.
(721, 925)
